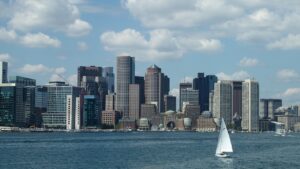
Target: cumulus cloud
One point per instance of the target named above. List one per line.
(39, 40)
(31, 69)
(240, 75)
(288, 75)
(291, 92)
(260, 21)
(248, 62)
(7, 35)
(72, 79)
(290, 42)
(5, 57)
(162, 44)
(181, 13)
(40, 68)
(175, 92)
(58, 15)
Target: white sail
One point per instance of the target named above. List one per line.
(224, 143)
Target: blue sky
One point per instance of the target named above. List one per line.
(234, 39)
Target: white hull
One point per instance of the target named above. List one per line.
(223, 155)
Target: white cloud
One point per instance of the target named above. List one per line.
(7, 35)
(82, 46)
(181, 13)
(58, 15)
(78, 28)
(291, 92)
(40, 68)
(39, 40)
(32, 69)
(175, 92)
(288, 74)
(162, 44)
(55, 77)
(5, 57)
(240, 75)
(248, 62)
(290, 42)
(72, 79)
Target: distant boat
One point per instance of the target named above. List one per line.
(224, 144)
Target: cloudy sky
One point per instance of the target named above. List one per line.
(234, 39)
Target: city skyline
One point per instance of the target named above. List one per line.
(197, 38)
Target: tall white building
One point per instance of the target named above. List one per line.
(3, 73)
(222, 101)
(77, 114)
(70, 114)
(250, 108)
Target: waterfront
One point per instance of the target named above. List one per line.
(145, 150)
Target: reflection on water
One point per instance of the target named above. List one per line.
(226, 163)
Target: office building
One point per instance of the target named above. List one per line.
(88, 71)
(250, 108)
(192, 111)
(148, 111)
(109, 76)
(55, 117)
(110, 101)
(141, 82)
(22, 81)
(267, 108)
(223, 101)
(3, 72)
(190, 96)
(110, 118)
(169, 103)
(183, 86)
(70, 112)
(204, 85)
(91, 111)
(125, 76)
(156, 86)
(134, 102)
(78, 113)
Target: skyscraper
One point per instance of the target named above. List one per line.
(125, 76)
(182, 86)
(267, 107)
(222, 107)
(189, 96)
(108, 75)
(3, 72)
(156, 86)
(204, 85)
(57, 101)
(141, 82)
(134, 102)
(88, 71)
(250, 109)
(169, 102)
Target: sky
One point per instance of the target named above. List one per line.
(233, 39)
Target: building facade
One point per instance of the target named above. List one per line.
(183, 86)
(169, 102)
(267, 108)
(134, 102)
(125, 76)
(250, 109)
(109, 76)
(3, 72)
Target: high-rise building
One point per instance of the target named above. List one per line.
(250, 109)
(78, 113)
(182, 86)
(109, 76)
(223, 101)
(267, 107)
(91, 111)
(148, 111)
(169, 102)
(134, 102)
(110, 101)
(204, 85)
(22, 81)
(3, 72)
(57, 101)
(189, 96)
(237, 99)
(70, 112)
(125, 76)
(141, 82)
(156, 86)
(88, 71)
(29, 103)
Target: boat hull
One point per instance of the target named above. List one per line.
(223, 155)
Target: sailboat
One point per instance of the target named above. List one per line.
(224, 144)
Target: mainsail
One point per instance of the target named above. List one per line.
(224, 143)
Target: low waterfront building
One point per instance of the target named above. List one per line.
(206, 124)
(288, 120)
(110, 117)
(144, 124)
